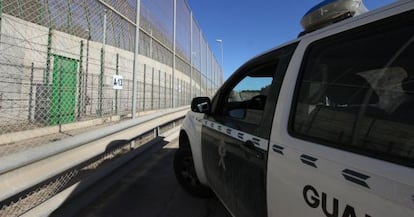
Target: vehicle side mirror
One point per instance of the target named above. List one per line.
(201, 105)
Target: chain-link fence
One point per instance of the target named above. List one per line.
(66, 64)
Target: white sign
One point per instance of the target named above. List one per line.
(117, 82)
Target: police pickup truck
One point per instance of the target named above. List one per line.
(320, 126)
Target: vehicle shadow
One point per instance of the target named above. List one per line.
(145, 186)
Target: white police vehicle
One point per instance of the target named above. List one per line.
(320, 126)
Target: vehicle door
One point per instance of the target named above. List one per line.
(235, 135)
(347, 147)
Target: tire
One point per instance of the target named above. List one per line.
(186, 174)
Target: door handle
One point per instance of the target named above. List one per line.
(249, 145)
(250, 149)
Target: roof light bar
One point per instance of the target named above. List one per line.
(331, 11)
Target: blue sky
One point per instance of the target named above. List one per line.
(249, 28)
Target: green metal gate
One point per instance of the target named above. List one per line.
(63, 90)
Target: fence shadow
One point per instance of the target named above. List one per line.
(91, 180)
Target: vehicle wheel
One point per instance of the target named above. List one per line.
(186, 174)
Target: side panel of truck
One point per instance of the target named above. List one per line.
(329, 155)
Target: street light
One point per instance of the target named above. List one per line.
(221, 46)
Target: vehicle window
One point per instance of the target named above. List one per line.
(356, 92)
(246, 101)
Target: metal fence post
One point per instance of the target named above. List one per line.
(40, 16)
(135, 69)
(144, 89)
(174, 53)
(152, 89)
(86, 74)
(159, 89)
(19, 5)
(88, 19)
(31, 93)
(1, 15)
(70, 19)
(116, 90)
(201, 63)
(165, 89)
(191, 51)
(60, 97)
(80, 89)
(100, 96)
(101, 77)
(48, 56)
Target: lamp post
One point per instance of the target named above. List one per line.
(221, 47)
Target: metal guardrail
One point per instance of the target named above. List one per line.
(49, 169)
